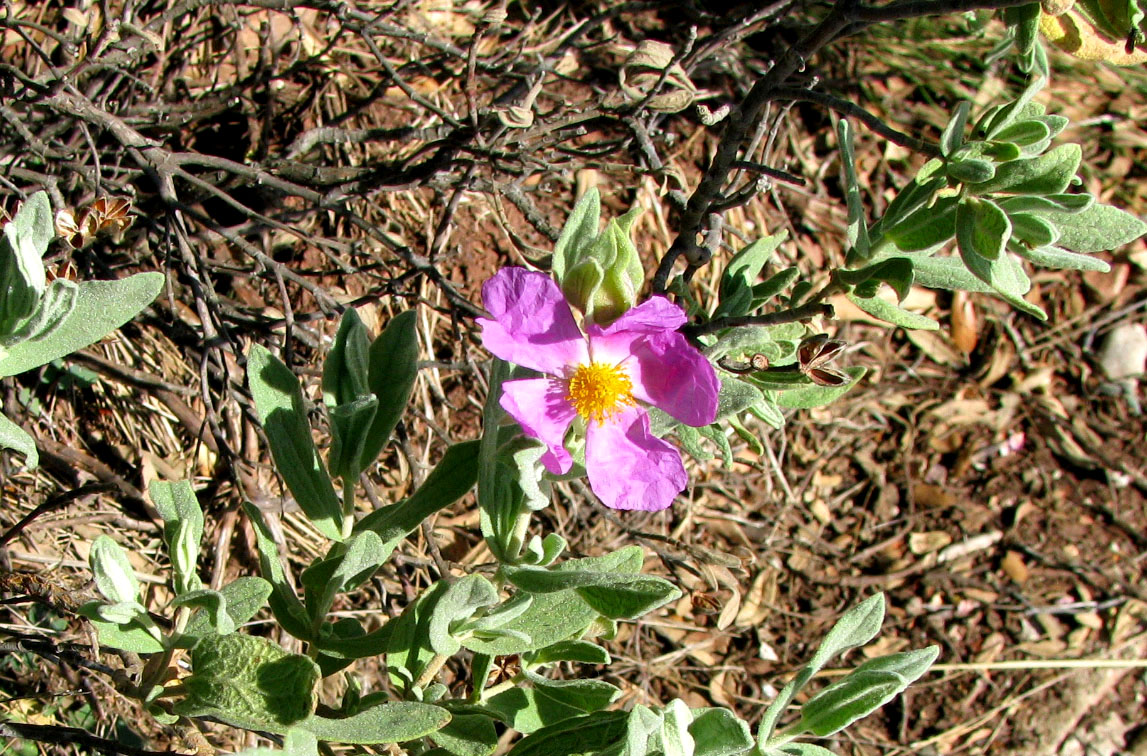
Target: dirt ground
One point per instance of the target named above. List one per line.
(987, 477)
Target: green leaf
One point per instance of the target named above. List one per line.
(409, 650)
(1024, 21)
(451, 479)
(212, 606)
(296, 743)
(800, 749)
(500, 499)
(617, 596)
(774, 285)
(285, 605)
(844, 702)
(1007, 278)
(597, 733)
(350, 564)
(393, 370)
(577, 234)
(746, 265)
(244, 597)
(459, 603)
(637, 596)
(1025, 133)
(543, 551)
(1050, 173)
(946, 273)
(1054, 257)
(926, 228)
(857, 224)
(736, 295)
(468, 735)
(579, 651)
(689, 439)
(24, 241)
(891, 313)
(350, 426)
(249, 682)
(182, 529)
(1005, 116)
(1056, 204)
(894, 271)
(100, 308)
(557, 616)
(345, 370)
(339, 644)
(917, 195)
(808, 397)
(719, 732)
(676, 739)
(345, 628)
(114, 577)
(971, 170)
(768, 411)
(1098, 228)
(137, 636)
(1032, 230)
(551, 701)
(395, 722)
(953, 135)
(54, 306)
(12, 436)
(282, 411)
(908, 664)
(735, 396)
(982, 232)
(857, 626)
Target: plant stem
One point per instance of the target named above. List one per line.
(796, 314)
(432, 669)
(513, 682)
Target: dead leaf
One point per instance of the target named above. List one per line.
(938, 347)
(1013, 565)
(927, 542)
(965, 323)
(929, 496)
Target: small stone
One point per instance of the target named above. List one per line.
(1124, 351)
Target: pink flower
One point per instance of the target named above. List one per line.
(639, 358)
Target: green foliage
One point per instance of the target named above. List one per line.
(249, 682)
(999, 194)
(41, 322)
(282, 411)
(600, 274)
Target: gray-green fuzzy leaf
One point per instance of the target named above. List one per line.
(100, 308)
(1098, 228)
(808, 397)
(393, 370)
(12, 436)
(1050, 173)
(282, 411)
(395, 722)
(894, 314)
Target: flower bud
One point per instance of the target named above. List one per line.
(580, 284)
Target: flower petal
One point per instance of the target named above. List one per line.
(654, 315)
(629, 467)
(666, 370)
(532, 326)
(541, 408)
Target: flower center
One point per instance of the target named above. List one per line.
(598, 391)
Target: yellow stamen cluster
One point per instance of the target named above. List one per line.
(598, 391)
